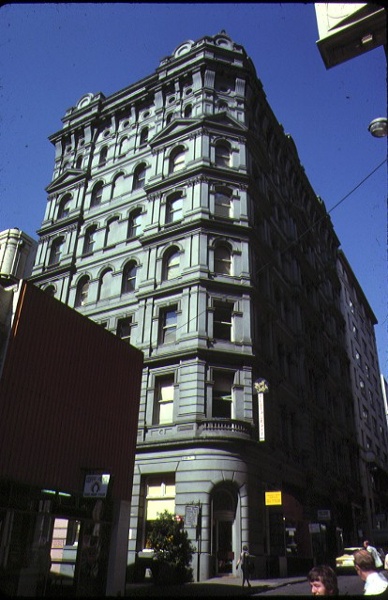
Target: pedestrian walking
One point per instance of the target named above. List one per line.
(246, 565)
(323, 581)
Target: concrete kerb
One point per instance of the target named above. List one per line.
(217, 586)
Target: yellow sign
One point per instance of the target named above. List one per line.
(273, 498)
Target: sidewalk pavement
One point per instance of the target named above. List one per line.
(217, 586)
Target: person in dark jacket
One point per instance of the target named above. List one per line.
(244, 562)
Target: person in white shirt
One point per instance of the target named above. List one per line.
(375, 554)
(364, 564)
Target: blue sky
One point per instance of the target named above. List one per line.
(52, 54)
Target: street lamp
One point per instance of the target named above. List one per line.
(378, 127)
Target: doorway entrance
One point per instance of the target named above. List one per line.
(224, 503)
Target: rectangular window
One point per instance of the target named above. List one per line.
(164, 400)
(160, 496)
(222, 395)
(222, 321)
(124, 329)
(168, 322)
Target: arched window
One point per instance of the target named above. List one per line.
(223, 202)
(97, 194)
(118, 185)
(222, 106)
(188, 111)
(134, 223)
(64, 206)
(81, 296)
(50, 290)
(105, 284)
(78, 164)
(222, 260)
(144, 136)
(124, 146)
(129, 277)
(111, 235)
(177, 159)
(139, 177)
(169, 118)
(174, 207)
(103, 156)
(223, 154)
(89, 239)
(171, 264)
(56, 251)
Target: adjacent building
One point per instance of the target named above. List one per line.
(371, 424)
(17, 255)
(69, 403)
(180, 219)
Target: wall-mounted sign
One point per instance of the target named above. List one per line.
(261, 418)
(261, 387)
(314, 528)
(96, 486)
(191, 515)
(273, 498)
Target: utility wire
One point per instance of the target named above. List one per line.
(297, 240)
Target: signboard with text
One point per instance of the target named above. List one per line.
(96, 486)
(273, 498)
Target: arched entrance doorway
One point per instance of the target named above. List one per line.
(224, 504)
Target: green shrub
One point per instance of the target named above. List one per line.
(173, 549)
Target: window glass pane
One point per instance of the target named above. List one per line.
(222, 204)
(172, 266)
(129, 278)
(89, 240)
(111, 234)
(166, 393)
(103, 156)
(222, 395)
(64, 207)
(82, 292)
(96, 195)
(177, 161)
(222, 155)
(222, 322)
(124, 329)
(56, 250)
(124, 146)
(119, 186)
(106, 285)
(134, 224)
(139, 177)
(174, 209)
(169, 321)
(164, 401)
(157, 507)
(222, 260)
(144, 136)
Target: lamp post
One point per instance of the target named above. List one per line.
(378, 127)
(261, 387)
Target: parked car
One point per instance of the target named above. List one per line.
(345, 562)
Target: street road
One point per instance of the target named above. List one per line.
(349, 585)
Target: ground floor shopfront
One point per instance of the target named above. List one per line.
(51, 542)
(233, 501)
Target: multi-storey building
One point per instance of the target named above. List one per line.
(371, 424)
(17, 255)
(180, 218)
